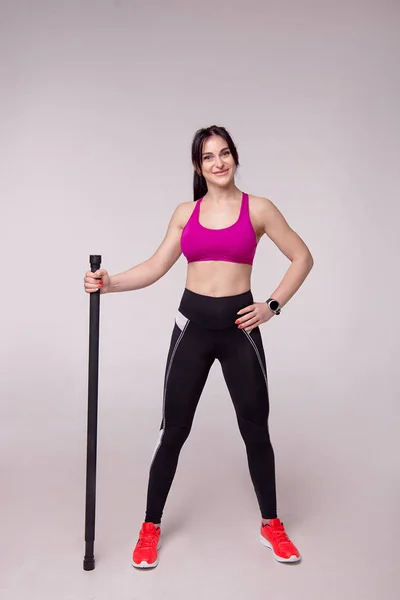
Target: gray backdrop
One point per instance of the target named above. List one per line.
(99, 104)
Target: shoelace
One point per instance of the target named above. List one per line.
(280, 535)
(147, 540)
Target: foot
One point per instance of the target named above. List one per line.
(145, 553)
(273, 535)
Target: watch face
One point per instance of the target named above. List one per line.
(274, 304)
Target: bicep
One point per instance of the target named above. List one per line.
(169, 250)
(284, 237)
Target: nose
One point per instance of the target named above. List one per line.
(219, 162)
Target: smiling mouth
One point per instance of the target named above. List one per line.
(221, 172)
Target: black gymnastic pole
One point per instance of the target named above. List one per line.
(94, 319)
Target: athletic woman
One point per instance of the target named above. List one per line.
(217, 319)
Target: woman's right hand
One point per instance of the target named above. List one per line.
(100, 280)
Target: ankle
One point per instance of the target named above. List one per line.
(157, 525)
(266, 521)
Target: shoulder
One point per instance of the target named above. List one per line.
(259, 204)
(263, 212)
(182, 213)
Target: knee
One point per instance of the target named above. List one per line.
(254, 433)
(175, 437)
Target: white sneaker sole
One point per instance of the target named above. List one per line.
(144, 564)
(292, 558)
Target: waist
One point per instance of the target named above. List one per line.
(218, 278)
(213, 312)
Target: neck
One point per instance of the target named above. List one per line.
(226, 194)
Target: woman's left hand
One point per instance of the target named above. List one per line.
(254, 315)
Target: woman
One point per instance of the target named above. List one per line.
(217, 319)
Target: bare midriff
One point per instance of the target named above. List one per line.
(218, 278)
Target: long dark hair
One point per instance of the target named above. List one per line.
(199, 183)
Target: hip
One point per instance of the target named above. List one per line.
(213, 312)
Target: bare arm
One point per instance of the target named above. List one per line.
(275, 226)
(151, 270)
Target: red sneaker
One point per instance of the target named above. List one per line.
(273, 535)
(145, 553)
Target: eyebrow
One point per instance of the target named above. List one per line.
(222, 150)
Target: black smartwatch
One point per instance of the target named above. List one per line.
(274, 306)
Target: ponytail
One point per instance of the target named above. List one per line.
(200, 188)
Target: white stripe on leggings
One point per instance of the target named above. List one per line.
(161, 433)
(258, 355)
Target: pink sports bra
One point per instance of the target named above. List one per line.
(236, 243)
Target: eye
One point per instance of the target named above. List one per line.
(226, 153)
(207, 157)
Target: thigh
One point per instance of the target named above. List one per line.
(189, 361)
(244, 368)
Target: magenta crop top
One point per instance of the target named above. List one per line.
(236, 243)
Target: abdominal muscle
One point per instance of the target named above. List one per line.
(218, 278)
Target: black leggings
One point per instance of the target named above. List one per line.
(205, 330)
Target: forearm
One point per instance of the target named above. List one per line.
(136, 278)
(293, 279)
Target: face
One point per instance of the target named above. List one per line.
(217, 164)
